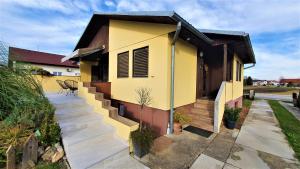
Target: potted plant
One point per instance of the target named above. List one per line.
(142, 141)
(231, 116)
(179, 120)
(142, 138)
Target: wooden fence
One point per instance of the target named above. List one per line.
(29, 156)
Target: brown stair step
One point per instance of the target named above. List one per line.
(201, 111)
(204, 106)
(106, 103)
(113, 112)
(92, 89)
(87, 84)
(203, 119)
(205, 101)
(99, 96)
(197, 116)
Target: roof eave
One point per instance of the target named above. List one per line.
(191, 28)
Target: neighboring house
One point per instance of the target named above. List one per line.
(260, 82)
(293, 82)
(46, 61)
(121, 52)
(273, 83)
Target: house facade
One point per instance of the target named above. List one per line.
(119, 53)
(45, 61)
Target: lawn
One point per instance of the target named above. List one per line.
(289, 125)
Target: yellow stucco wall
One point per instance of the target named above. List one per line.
(227, 92)
(185, 73)
(237, 85)
(234, 89)
(127, 36)
(86, 71)
(49, 83)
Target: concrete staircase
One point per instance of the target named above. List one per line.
(106, 104)
(202, 114)
(93, 133)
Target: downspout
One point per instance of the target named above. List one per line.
(253, 64)
(178, 28)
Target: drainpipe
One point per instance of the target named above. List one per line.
(249, 66)
(178, 28)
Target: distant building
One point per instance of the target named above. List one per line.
(293, 82)
(46, 61)
(260, 82)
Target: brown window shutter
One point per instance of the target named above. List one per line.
(140, 62)
(123, 60)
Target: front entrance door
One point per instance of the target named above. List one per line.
(100, 71)
(201, 78)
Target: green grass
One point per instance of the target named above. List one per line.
(57, 165)
(289, 125)
(247, 103)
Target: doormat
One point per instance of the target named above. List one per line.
(196, 130)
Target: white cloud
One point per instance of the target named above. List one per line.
(255, 16)
(274, 65)
(61, 23)
(110, 3)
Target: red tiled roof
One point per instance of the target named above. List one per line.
(24, 55)
(290, 81)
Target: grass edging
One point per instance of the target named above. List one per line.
(289, 125)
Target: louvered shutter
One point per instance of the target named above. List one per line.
(140, 62)
(123, 59)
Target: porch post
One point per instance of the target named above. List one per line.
(225, 62)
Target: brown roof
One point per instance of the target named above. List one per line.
(290, 81)
(30, 56)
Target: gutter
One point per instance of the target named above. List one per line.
(253, 64)
(178, 29)
(191, 28)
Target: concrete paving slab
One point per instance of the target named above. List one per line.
(87, 139)
(183, 151)
(206, 162)
(255, 133)
(120, 160)
(229, 166)
(287, 98)
(246, 158)
(220, 148)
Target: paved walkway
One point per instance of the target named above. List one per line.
(291, 108)
(268, 96)
(260, 144)
(87, 140)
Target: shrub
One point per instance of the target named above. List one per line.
(50, 132)
(144, 138)
(22, 98)
(232, 114)
(181, 118)
(23, 109)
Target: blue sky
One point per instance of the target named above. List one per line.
(56, 25)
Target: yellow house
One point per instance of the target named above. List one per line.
(187, 69)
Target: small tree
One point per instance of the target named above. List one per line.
(249, 81)
(144, 99)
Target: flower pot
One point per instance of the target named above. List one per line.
(177, 128)
(230, 124)
(138, 150)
